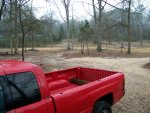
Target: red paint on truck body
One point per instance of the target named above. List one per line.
(59, 92)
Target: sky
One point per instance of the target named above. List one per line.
(79, 13)
(76, 5)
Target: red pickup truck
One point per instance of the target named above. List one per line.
(25, 88)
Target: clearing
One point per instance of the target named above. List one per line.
(136, 99)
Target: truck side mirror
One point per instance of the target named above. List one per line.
(2, 108)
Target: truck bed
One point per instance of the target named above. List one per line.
(59, 81)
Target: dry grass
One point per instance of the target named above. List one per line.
(115, 47)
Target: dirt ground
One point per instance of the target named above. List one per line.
(137, 97)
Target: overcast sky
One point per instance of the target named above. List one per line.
(77, 5)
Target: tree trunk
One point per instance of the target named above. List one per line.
(1, 8)
(16, 36)
(11, 46)
(16, 45)
(99, 45)
(141, 35)
(32, 41)
(87, 47)
(72, 34)
(68, 28)
(72, 43)
(94, 11)
(106, 46)
(95, 20)
(129, 28)
(82, 47)
(122, 46)
(108, 37)
(32, 26)
(23, 32)
(10, 17)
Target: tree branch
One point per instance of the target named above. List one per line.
(104, 5)
(89, 4)
(113, 5)
(59, 11)
(87, 11)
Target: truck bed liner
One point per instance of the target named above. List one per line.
(71, 78)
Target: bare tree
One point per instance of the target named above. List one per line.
(66, 4)
(139, 15)
(72, 30)
(100, 9)
(2, 5)
(16, 27)
(12, 11)
(22, 3)
(98, 20)
(94, 12)
(98, 15)
(129, 27)
(32, 37)
(95, 19)
(82, 36)
(123, 23)
(22, 30)
(86, 32)
(10, 17)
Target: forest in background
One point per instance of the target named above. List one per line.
(128, 21)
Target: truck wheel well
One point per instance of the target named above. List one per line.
(107, 98)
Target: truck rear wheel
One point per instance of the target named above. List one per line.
(102, 107)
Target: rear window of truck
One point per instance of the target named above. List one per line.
(5, 96)
(21, 89)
